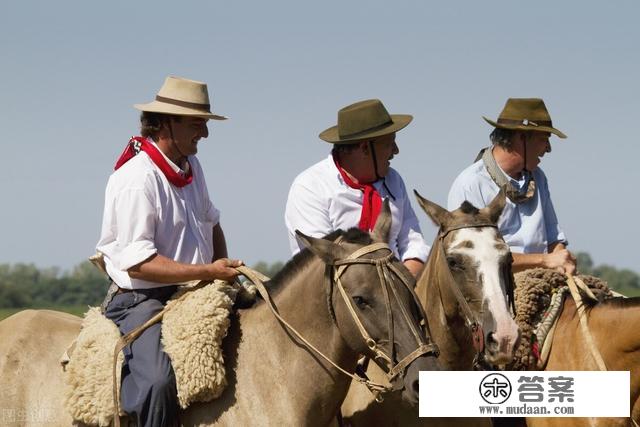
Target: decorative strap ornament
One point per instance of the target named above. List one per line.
(139, 143)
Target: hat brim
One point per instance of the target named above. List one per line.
(398, 121)
(164, 108)
(554, 131)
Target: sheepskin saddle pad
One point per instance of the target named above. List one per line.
(192, 331)
(539, 296)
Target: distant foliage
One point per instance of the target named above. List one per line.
(25, 285)
(618, 279)
(268, 269)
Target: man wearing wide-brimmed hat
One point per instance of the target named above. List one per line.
(346, 189)
(159, 228)
(528, 223)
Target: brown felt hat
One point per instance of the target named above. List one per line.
(182, 97)
(362, 120)
(528, 114)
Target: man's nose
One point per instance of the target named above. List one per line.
(396, 150)
(548, 150)
(204, 131)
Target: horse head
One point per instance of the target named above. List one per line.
(371, 299)
(471, 265)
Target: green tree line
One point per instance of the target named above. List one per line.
(25, 285)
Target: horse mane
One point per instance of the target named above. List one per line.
(621, 302)
(302, 259)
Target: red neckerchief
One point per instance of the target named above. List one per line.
(137, 144)
(371, 200)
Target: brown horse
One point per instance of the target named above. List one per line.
(464, 289)
(615, 327)
(274, 379)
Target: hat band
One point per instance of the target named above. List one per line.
(525, 122)
(364, 131)
(195, 106)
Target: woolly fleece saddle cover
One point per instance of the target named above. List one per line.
(192, 334)
(534, 295)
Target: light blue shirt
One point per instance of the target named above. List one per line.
(528, 227)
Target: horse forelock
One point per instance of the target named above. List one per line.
(468, 208)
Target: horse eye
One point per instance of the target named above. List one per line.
(360, 302)
(454, 263)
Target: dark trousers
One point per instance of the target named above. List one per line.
(148, 390)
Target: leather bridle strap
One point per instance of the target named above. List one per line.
(383, 265)
(471, 320)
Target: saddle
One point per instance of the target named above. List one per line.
(539, 298)
(194, 324)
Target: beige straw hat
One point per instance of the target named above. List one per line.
(182, 97)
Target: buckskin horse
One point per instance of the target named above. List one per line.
(614, 325)
(466, 289)
(348, 296)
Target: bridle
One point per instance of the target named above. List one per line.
(470, 318)
(385, 268)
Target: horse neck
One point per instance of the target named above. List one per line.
(446, 324)
(614, 334)
(618, 337)
(310, 383)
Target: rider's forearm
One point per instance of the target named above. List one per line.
(525, 261)
(161, 269)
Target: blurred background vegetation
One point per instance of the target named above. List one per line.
(27, 286)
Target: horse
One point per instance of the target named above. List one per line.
(466, 289)
(613, 324)
(335, 293)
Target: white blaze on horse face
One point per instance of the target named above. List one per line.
(487, 250)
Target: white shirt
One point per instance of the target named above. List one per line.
(528, 227)
(320, 202)
(145, 214)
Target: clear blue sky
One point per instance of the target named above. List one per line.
(71, 71)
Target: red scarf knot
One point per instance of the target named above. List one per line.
(137, 144)
(371, 200)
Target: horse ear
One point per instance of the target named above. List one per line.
(328, 251)
(495, 208)
(438, 214)
(380, 232)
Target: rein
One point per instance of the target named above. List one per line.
(574, 283)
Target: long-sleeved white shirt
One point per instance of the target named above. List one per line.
(145, 214)
(320, 202)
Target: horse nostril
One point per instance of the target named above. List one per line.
(491, 340)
